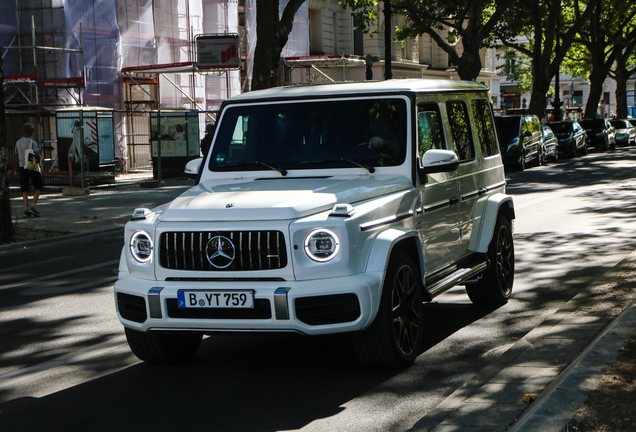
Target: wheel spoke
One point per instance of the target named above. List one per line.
(406, 310)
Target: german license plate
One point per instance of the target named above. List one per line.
(215, 299)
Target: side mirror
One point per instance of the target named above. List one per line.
(527, 134)
(437, 161)
(193, 167)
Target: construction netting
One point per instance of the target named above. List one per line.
(70, 53)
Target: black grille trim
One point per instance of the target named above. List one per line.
(262, 310)
(132, 308)
(331, 309)
(254, 250)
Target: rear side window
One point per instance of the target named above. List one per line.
(460, 130)
(484, 127)
(429, 129)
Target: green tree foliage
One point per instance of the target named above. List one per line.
(516, 68)
(606, 36)
(543, 30)
(471, 20)
(272, 34)
(624, 68)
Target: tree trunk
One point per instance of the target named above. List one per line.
(596, 92)
(469, 66)
(272, 34)
(540, 86)
(267, 52)
(7, 231)
(621, 76)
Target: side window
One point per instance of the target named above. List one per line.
(460, 130)
(484, 127)
(429, 129)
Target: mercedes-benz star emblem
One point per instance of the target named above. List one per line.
(220, 252)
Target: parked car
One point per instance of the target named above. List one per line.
(632, 121)
(600, 133)
(625, 132)
(572, 138)
(550, 143)
(325, 209)
(520, 139)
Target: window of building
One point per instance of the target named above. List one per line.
(358, 37)
(315, 32)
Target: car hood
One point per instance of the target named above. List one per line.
(276, 199)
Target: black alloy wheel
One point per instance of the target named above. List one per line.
(521, 163)
(495, 285)
(394, 338)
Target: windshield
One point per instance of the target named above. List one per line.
(561, 127)
(620, 124)
(311, 135)
(592, 124)
(507, 128)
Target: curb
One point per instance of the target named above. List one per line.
(558, 403)
(549, 412)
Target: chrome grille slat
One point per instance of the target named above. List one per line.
(269, 251)
(254, 250)
(249, 247)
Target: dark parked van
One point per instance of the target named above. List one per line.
(520, 139)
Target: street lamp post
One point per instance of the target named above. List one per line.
(388, 74)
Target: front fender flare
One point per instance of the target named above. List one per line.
(378, 260)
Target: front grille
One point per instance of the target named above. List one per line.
(132, 308)
(261, 310)
(331, 309)
(254, 250)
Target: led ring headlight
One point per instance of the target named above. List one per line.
(141, 246)
(321, 245)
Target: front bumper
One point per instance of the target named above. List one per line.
(567, 145)
(314, 307)
(597, 141)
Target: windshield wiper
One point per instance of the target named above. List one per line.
(282, 171)
(351, 161)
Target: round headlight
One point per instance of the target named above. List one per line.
(321, 245)
(141, 246)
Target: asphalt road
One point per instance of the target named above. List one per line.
(64, 364)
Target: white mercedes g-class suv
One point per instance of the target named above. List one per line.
(325, 209)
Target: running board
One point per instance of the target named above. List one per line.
(457, 278)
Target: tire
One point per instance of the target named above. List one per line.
(495, 286)
(606, 145)
(584, 149)
(556, 154)
(161, 347)
(521, 163)
(394, 338)
(541, 157)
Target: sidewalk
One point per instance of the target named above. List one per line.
(561, 360)
(107, 207)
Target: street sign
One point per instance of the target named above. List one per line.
(218, 52)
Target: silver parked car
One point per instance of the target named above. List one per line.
(625, 132)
